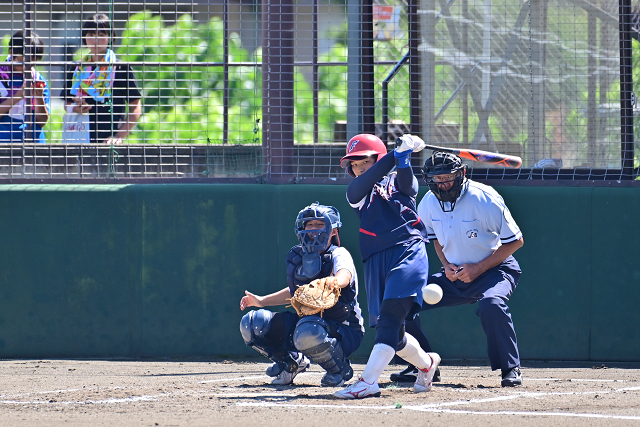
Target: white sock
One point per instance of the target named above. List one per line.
(380, 357)
(413, 354)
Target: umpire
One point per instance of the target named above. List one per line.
(474, 237)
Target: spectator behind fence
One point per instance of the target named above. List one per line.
(102, 93)
(18, 123)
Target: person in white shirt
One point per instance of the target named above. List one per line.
(475, 237)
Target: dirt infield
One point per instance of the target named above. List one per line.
(237, 393)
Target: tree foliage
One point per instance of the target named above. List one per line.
(184, 103)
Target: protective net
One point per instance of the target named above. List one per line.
(273, 90)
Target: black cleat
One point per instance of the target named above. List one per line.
(410, 374)
(512, 377)
(338, 379)
(274, 370)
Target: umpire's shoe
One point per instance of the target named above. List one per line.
(410, 374)
(512, 377)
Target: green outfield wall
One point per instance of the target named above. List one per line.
(110, 271)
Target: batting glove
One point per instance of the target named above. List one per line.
(409, 142)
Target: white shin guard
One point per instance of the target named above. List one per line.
(380, 357)
(415, 355)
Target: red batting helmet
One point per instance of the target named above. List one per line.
(361, 146)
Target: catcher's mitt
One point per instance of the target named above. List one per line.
(315, 297)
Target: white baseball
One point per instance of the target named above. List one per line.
(432, 293)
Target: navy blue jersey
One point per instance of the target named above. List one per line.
(387, 210)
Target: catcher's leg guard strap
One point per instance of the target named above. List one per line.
(281, 331)
(286, 360)
(281, 334)
(271, 334)
(311, 337)
(389, 329)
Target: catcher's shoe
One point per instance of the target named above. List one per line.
(286, 378)
(338, 379)
(288, 361)
(359, 390)
(425, 376)
(274, 370)
(512, 377)
(410, 375)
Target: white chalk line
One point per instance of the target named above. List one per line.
(539, 414)
(263, 377)
(274, 394)
(628, 389)
(573, 379)
(441, 410)
(431, 407)
(257, 377)
(144, 398)
(87, 402)
(442, 406)
(39, 392)
(220, 380)
(525, 378)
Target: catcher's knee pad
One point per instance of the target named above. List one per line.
(312, 339)
(311, 332)
(255, 324)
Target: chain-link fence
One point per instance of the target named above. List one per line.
(539, 79)
(274, 89)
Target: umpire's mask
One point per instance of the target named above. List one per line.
(440, 163)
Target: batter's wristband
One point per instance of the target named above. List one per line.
(403, 159)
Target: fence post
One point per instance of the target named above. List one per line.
(277, 83)
(427, 30)
(414, 67)
(354, 68)
(626, 91)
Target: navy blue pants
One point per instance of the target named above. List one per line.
(490, 290)
(281, 337)
(395, 273)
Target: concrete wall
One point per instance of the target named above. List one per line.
(158, 270)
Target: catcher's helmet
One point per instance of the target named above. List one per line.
(317, 240)
(440, 163)
(361, 146)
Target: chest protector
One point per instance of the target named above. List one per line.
(295, 278)
(295, 273)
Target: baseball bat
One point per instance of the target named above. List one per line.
(482, 156)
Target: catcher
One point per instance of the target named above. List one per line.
(328, 324)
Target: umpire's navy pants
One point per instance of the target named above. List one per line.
(491, 290)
